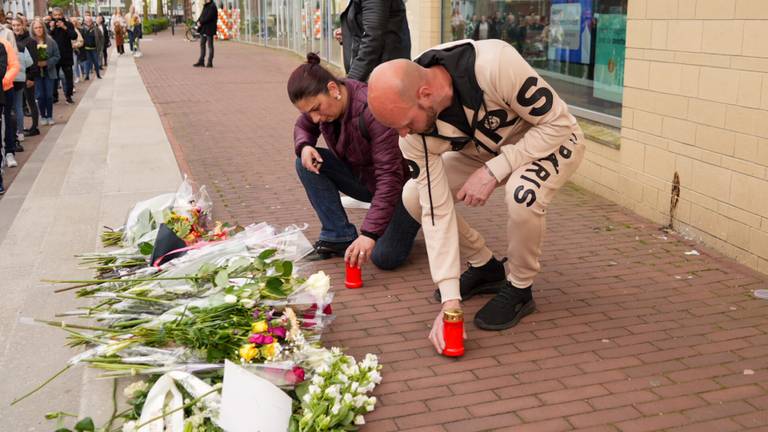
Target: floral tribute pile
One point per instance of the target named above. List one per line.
(167, 320)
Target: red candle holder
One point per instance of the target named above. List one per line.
(354, 277)
(453, 332)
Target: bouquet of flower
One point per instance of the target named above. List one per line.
(42, 55)
(336, 398)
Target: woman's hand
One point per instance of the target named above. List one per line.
(42, 63)
(310, 159)
(359, 251)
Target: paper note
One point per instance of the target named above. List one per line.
(252, 404)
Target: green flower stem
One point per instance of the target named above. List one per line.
(64, 325)
(183, 407)
(38, 388)
(146, 299)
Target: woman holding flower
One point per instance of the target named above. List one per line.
(47, 58)
(362, 161)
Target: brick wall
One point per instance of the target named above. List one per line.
(695, 104)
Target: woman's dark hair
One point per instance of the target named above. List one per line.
(309, 79)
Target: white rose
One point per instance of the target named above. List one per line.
(359, 420)
(318, 380)
(318, 285)
(230, 299)
(314, 389)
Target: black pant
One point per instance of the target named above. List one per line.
(29, 94)
(105, 53)
(68, 83)
(120, 48)
(10, 123)
(203, 39)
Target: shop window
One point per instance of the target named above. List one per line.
(576, 45)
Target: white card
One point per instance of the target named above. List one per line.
(252, 404)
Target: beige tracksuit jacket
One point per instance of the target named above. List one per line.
(506, 117)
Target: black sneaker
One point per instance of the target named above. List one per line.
(486, 279)
(198, 64)
(32, 132)
(2, 189)
(19, 147)
(505, 310)
(69, 101)
(325, 250)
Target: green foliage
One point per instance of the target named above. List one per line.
(153, 25)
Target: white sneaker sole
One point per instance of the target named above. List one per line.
(351, 203)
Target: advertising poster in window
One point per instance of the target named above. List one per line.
(609, 57)
(568, 33)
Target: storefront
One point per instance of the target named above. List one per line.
(576, 45)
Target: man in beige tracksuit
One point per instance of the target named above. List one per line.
(475, 116)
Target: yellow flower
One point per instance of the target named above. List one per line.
(269, 351)
(259, 327)
(249, 352)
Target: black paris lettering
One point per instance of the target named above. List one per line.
(565, 152)
(522, 195)
(535, 97)
(539, 170)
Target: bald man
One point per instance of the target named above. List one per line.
(474, 116)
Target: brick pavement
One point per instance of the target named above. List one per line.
(631, 334)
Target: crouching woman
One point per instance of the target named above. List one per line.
(362, 161)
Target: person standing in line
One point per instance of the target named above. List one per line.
(77, 47)
(19, 83)
(23, 39)
(91, 37)
(63, 32)
(99, 44)
(138, 33)
(10, 72)
(107, 40)
(373, 32)
(206, 26)
(129, 26)
(48, 72)
(118, 29)
(3, 66)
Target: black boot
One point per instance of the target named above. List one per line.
(325, 250)
(210, 64)
(199, 64)
(505, 310)
(486, 279)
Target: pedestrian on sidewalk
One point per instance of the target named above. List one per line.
(63, 33)
(24, 40)
(19, 84)
(44, 84)
(362, 161)
(9, 75)
(129, 21)
(372, 32)
(3, 67)
(118, 29)
(138, 33)
(105, 38)
(91, 38)
(78, 54)
(206, 26)
(475, 116)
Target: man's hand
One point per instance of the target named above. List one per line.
(30, 84)
(310, 159)
(436, 335)
(337, 35)
(478, 187)
(359, 251)
(60, 24)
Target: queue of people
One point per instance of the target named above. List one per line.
(41, 56)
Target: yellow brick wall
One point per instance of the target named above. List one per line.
(695, 104)
(424, 23)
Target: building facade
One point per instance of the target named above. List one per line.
(672, 94)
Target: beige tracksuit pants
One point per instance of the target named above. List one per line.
(527, 194)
